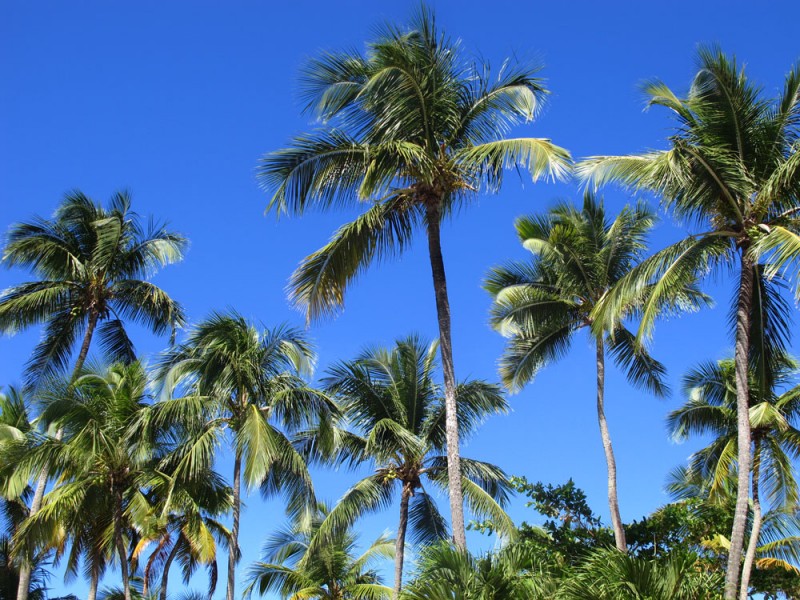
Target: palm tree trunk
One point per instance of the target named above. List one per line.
(755, 531)
(167, 565)
(120, 543)
(233, 552)
(400, 543)
(613, 501)
(87, 341)
(147, 575)
(94, 581)
(38, 495)
(448, 370)
(741, 358)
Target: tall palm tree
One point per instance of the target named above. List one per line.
(411, 132)
(774, 409)
(92, 265)
(732, 169)
(578, 257)
(236, 380)
(394, 418)
(109, 453)
(330, 572)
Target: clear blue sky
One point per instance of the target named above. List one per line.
(177, 101)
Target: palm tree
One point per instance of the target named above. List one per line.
(183, 525)
(578, 257)
(9, 572)
(711, 410)
(18, 436)
(330, 572)
(710, 498)
(515, 571)
(394, 416)
(92, 265)
(235, 379)
(610, 575)
(110, 453)
(25, 441)
(732, 168)
(411, 132)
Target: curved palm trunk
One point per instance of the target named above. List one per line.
(38, 495)
(613, 502)
(233, 552)
(400, 543)
(755, 531)
(162, 595)
(741, 358)
(448, 370)
(147, 576)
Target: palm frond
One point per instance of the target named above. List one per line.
(486, 163)
(319, 283)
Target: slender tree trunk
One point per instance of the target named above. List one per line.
(147, 575)
(613, 501)
(38, 495)
(750, 556)
(233, 552)
(162, 595)
(120, 543)
(448, 370)
(94, 581)
(741, 358)
(87, 341)
(400, 543)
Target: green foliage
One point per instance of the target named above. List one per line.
(409, 132)
(710, 409)
(9, 573)
(229, 377)
(578, 256)
(392, 415)
(517, 572)
(292, 568)
(570, 528)
(231, 381)
(681, 526)
(611, 575)
(108, 455)
(92, 265)
(444, 572)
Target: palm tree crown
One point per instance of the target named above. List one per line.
(331, 572)
(92, 263)
(394, 419)
(710, 409)
(578, 257)
(413, 130)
